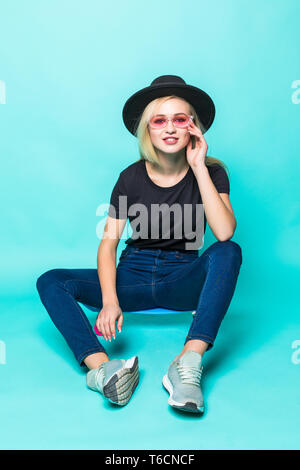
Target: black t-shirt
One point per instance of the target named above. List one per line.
(170, 218)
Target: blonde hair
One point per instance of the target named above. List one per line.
(145, 146)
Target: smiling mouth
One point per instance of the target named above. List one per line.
(171, 140)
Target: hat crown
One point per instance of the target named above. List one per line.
(168, 79)
(166, 85)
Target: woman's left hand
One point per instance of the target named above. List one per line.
(196, 156)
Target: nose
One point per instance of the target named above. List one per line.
(170, 126)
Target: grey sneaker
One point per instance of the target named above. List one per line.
(115, 379)
(182, 381)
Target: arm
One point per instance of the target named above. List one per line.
(217, 207)
(106, 267)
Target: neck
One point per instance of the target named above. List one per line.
(171, 164)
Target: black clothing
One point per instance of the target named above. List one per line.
(180, 222)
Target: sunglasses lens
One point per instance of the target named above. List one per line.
(158, 122)
(181, 120)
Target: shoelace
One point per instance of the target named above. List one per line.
(189, 374)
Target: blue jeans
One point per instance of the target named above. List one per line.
(146, 278)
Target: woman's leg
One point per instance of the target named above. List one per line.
(59, 291)
(93, 361)
(206, 284)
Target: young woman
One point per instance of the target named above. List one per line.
(168, 195)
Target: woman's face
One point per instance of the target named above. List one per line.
(169, 108)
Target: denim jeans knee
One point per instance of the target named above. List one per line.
(227, 247)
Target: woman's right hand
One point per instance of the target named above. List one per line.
(107, 318)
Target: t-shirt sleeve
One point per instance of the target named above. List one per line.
(118, 206)
(220, 179)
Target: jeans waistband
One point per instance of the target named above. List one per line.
(160, 250)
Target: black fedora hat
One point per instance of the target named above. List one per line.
(163, 86)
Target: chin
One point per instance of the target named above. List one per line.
(170, 148)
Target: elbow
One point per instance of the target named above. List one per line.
(227, 235)
(224, 238)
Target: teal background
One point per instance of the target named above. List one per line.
(68, 68)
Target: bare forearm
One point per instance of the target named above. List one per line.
(220, 219)
(106, 266)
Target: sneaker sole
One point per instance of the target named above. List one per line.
(121, 385)
(188, 406)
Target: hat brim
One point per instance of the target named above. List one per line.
(200, 100)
